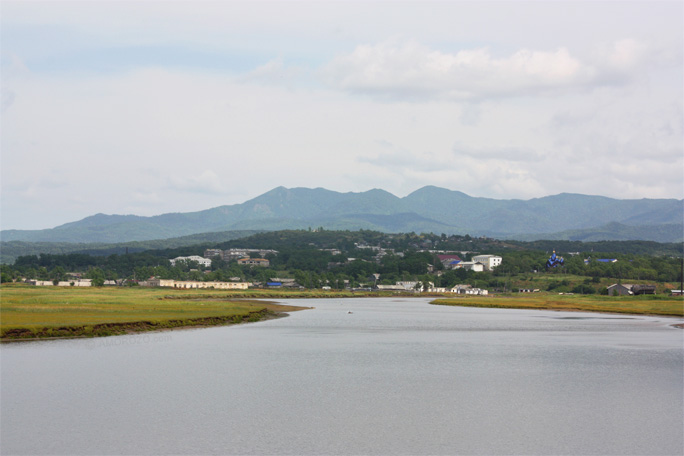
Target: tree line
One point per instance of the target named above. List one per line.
(301, 256)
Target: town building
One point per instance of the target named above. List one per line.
(278, 282)
(155, 282)
(600, 260)
(625, 289)
(489, 261)
(401, 286)
(411, 286)
(449, 261)
(212, 253)
(477, 291)
(468, 290)
(470, 266)
(453, 265)
(61, 283)
(437, 290)
(460, 288)
(263, 262)
(390, 288)
(205, 262)
(620, 289)
(235, 254)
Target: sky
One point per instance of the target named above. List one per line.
(150, 107)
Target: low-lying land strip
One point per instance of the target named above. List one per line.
(51, 312)
(640, 305)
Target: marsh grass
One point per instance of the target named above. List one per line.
(47, 312)
(641, 305)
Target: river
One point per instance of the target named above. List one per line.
(356, 376)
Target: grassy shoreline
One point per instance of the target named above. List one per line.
(634, 305)
(38, 313)
(114, 329)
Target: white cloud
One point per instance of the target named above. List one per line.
(411, 71)
(529, 100)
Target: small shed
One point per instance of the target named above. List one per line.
(620, 288)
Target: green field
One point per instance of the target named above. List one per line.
(642, 305)
(44, 312)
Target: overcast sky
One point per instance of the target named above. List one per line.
(153, 107)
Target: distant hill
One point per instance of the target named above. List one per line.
(9, 251)
(429, 209)
(614, 231)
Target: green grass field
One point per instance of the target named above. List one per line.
(641, 305)
(38, 312)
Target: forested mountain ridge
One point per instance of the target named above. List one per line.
(429, 209)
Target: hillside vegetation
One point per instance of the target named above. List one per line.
(348, 259)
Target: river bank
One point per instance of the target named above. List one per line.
(635, 305)
(30, 313)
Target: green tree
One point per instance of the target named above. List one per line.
(97, 276)
(58, 274)
(6, 274)
(43, 273)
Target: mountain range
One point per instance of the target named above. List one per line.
(429, 209)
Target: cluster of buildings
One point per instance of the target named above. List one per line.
(478, 263)
(243, 257)
(420, 287)
(206, 262)
(71, 283)
(236, 254)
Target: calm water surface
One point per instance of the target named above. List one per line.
(395, 376)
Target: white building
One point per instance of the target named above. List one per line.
(206, 262)
(468, 290)
(470, 266)
(477, 291)
(401, 286)
(460, 288)
(195, 284)
(489, 261)
(62, 283)
(410, 286)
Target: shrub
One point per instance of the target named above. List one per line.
(584, 289)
